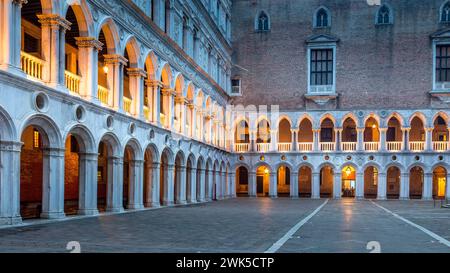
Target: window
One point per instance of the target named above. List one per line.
(322, 18)
(236, 86)
(384, 16)
(263, 22)
(445, 13)
(36, 139)
(443, 63)
(322, 66)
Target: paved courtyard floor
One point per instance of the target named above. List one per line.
(248, 225)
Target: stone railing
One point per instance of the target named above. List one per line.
(32, 66)
(440, 146)
(394, 146)
(284, 147)
(371, 146)
(241, 147)
(127, 105)
(348, 146)
(305, 146)
(72, 82)
(327, 146)
(416, 146)
(103, 94)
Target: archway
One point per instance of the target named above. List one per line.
(32, 167)
(242, 137)
(262, 181)
(167, 175)
(393, 182)
(327, 135)
(326, 182)
(305, 136)
(349, 135)
(348, 182)
(200, 180)
(179, 188)
(151, 176)
(417, 135)
(71, 176)
(371, 182)
(371, 135)
(394, 135)
(263, 137)
(208, 180)
(284, 136)
(416, 180)
(439, 182)
(242, 181)
(440, 135)
(283, 181)
(305, 181)
(191, 183)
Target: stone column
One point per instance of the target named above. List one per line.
(54, 29)
(153, 88)
(10, 183)
(337, 186)
(404, 186)
(316, 140)
(273, 189)
(135, 186)
(137, 76)
(115, 64)
(429, 139)
(209, 186)
(115, 184)
(360, 146)
(294, 139)
(201, 185)
(148, 184)
(338, 138)
(169, 198)
(315, 189)
(192, 196)
(428, 187)
(87, 204)
(252, 184)
(382, 186)
(405, 132)
(10, 35)
(88, 48)
(233, 185)
(181, 185)
(383, 144)
(273, 140)
(53, 184)
(252, 135)
(294, 185)
(359, 185)
(447, 187)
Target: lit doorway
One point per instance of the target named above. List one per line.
(348, 182)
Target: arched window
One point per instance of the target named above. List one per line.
(384, 15)
(445, 13)
(322, 18)
(262, 23)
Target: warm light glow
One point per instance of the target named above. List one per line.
(105, 69)
(348, 171)
(266, 171)
(374, 126)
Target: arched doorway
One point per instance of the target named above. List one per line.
(326, 182)
(262, 181)
(416, 180)
(191, 181)
(348, 182)
(439, 182)
(305, 181)
(283, 181)
(71, 176)
(127, 175)
(393, 176)
(179, 186)
(371, 182)
(166, 181)
(242, 181)
(32, 166)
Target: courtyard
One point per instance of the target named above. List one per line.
(245, 225)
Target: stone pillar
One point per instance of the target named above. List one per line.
(338, 138)
(315, 189)
(294, 185)
(10, 35)
(405, 132)
(115, 184)
(168, 107)
(294, 139)
(337, 186)
(233, 185)
(252, 184)
(155, 184)
(209, 186)
(252, 135)
(137, 76)
(181, 185)
(360, 139)
(154, 101)
(316, 140)
(87, 204)
(428, 187)
(169, 198)
(382, 186)
(383, 144)
(88, 48)
(429, 139)
(447, 187)
(135, 186)
(273, 189)
(115, 64)
(54, 29)
(201, 185)
(10, 183)
(192, 196)
(359, 185)
(404, 186)
(53, 184)
(273, 140)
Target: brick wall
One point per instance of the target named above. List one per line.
(377, 66)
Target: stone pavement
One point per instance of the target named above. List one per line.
(243, 225)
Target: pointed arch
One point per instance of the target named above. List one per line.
(322, 17)
(262, 21)
(444, 12)
(384, 15)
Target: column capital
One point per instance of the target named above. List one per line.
(89, 42)
(136, 72)
(20, 3)
(180, 99)
(167, 91)
(407, 129)
(382, 129)
(115, 59)
(153, 83)
(53, 20)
